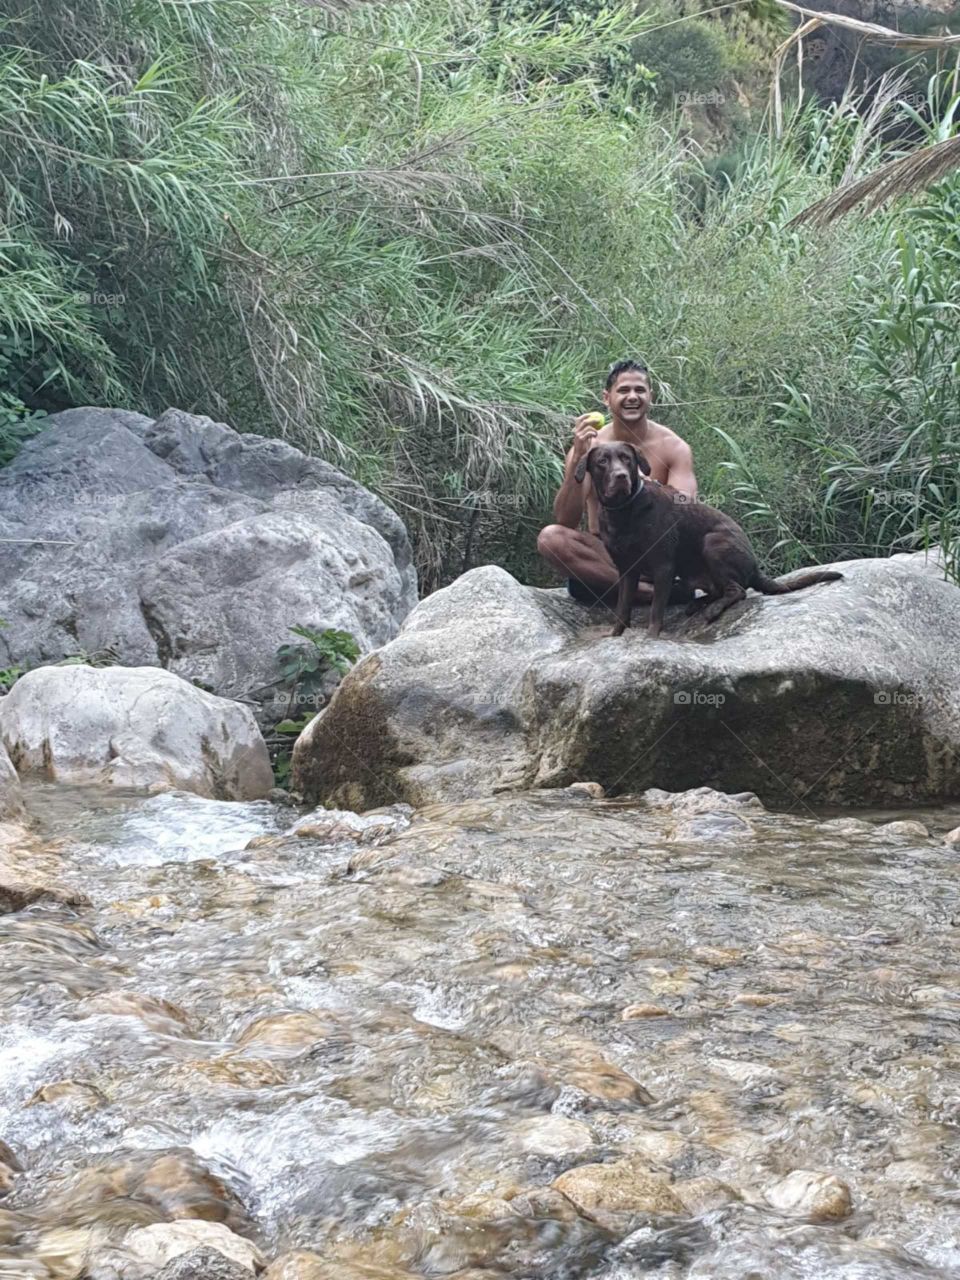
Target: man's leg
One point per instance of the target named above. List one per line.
(591, 575)
(584, 561)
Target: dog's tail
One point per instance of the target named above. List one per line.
(771, 587)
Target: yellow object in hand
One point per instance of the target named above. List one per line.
(596, 420)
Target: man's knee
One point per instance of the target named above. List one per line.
(551, 541)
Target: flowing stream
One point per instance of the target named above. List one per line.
(385, 1044)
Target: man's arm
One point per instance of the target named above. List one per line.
(568, 504)
(680, 474)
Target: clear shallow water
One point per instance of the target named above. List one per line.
(373, 1048)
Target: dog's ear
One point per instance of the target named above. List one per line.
(581, 470)
(642, 463)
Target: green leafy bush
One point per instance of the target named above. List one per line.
(688, 58)
(303, 667)
(9, 677)
(303, 672)
(17, 421)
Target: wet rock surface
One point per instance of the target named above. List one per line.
(820, 1197)
(627, 1187)
(11, 796)
(167, 1242)
(32, 872)
(204, 1264)
(410, 1057)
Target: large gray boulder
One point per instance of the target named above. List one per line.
(180, 543)
(132, 727)
(842, 693)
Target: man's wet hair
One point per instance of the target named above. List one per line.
(625, 366)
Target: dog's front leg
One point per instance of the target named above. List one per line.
(628, 593)
(662, 582)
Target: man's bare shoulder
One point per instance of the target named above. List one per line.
(669, 445)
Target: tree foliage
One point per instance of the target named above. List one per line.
(411, 238)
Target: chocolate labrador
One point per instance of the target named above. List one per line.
(653, 532)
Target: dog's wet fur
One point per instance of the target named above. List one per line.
(653, 532)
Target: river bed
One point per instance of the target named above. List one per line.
(394, 1047)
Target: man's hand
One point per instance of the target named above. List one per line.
(584, 434)
(568, 504)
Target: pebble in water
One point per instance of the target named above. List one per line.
(159, 1244)
(624, 1186)
(299, 1265)
(820, 1197)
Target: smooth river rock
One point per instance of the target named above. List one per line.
(841, 693)
(31, 872)
(304, 1265)
(133, 727)
(805, 1193)
(553, 1136)
(162, 1242)
(163, 1184)
(300, 1264)
(623, 1186)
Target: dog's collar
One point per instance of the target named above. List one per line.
(621, 505)
(636, 494)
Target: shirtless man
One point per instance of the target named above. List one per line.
(580, 556)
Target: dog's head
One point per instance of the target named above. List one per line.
(616, 469)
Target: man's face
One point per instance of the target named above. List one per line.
(630, 397)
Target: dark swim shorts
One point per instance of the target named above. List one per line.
(586, 595)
